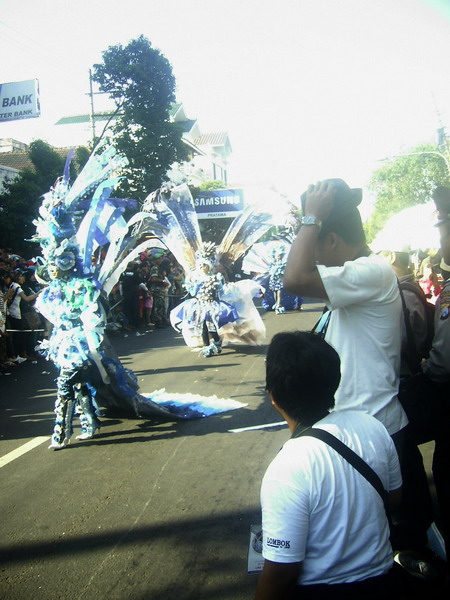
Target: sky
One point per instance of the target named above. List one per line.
(306, 89)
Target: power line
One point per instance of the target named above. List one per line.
(35, 48)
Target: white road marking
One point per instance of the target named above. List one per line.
(253, 427)
(4, 460)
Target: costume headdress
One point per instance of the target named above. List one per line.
(206, 255)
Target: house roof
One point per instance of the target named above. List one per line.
(84, 118)
(16, 160)
(187, 125)
(20, 160)
(212, 139)
(175, 108)
(105, 116)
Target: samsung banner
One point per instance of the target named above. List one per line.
(219, 204)
(19, 100)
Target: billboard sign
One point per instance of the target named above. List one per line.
(19, 100)
(219, 204)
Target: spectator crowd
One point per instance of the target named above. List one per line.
(144, 296)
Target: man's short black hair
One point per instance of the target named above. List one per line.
(302, 374)
(347, 225)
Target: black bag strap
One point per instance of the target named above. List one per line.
(356, 461)
(11, 300)
(323, 323)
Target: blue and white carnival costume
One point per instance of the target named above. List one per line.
(267, 262)
(227, 307)
(204, 313)
(75, 222)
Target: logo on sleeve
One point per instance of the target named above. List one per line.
(273, 543)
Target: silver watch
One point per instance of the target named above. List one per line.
(311, 220)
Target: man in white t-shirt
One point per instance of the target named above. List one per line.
(330, 259)
(325, 530)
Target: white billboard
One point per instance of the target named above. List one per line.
(19, 100)
(219, 204)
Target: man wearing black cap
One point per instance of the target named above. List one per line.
(330, 260)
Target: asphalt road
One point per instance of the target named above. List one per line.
(144, 510)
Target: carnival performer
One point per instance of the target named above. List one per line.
(266, 261)
(276, 273)
(69, 234)
(205, 313)
(240, 322)
(70, 302)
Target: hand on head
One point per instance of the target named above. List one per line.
(319, 200)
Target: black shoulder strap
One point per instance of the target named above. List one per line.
(320, 328)
(11, 300)
(356, 461)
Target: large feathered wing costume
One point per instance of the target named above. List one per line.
(174, 208)
(74, 223)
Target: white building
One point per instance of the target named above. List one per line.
(209, 152)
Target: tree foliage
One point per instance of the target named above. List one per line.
(406, 181)
(21, 198)
(140, 81)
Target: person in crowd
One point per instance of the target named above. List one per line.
(318, 541)
(330, 259)
(130, 293)
(177, 286)
(166, 288)
(429, 280)
(16, 297)
(414, 300)
(31, 318)
(5, 367)
(146, 303)
(157, 288)
(427, 394)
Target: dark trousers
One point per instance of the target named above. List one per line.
(374, 588)
(427, 405)
(18, 336)
(415, 514)
(206, 333)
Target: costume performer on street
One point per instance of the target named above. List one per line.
(227, 308)
(75, 222)
(276, 274)
(268, 260)
(205, 313)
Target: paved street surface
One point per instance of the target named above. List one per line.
(144, 510)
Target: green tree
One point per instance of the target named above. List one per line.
(21, 198)
(140, 81)
(405, 181)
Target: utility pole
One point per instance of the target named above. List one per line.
(92, 114)
(442, 134)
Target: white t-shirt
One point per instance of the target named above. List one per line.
(318, 510)
(365, 329)
(14, 307)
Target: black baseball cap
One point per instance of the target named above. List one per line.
(345, 198)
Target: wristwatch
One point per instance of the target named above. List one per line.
(311, 220)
